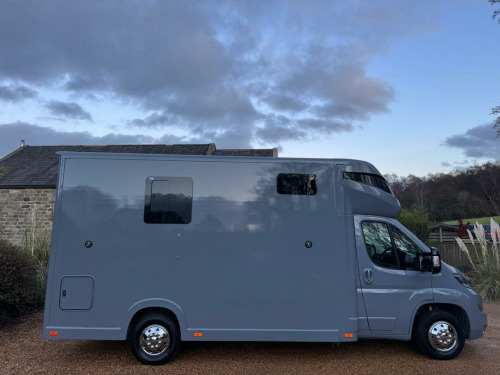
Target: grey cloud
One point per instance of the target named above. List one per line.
(279, 133)
(342, 86)
(134, 48)
(285, 103)
(153, 120)
(13, 93)
(477, 142)
(11, 134)
(206, 67)
(214, 115)
(325, 125)
(69, 110)
(219, 103)
(232, 138)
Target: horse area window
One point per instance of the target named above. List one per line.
(297, 184)
(168, 200)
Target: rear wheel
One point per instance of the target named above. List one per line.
(440, 335)
(155, 339)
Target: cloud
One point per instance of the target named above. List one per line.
(219, 68)
(68, 110)
(325, 126)
(153, 120)
(285, 103)
(11, 134)
(477, 142)
(12, 93)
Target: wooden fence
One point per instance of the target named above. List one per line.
(451, 254)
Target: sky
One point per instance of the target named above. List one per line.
(405, 85)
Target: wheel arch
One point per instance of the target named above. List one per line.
(455, 310)
(159, 306)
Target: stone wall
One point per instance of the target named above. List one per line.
(22, 210)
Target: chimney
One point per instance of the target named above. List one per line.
(22, 143)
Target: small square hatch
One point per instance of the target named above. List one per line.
(76, 293)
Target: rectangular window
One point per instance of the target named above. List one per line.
(169, 200)
(389, 247)
(378, 244)
(369, 179)
(297, 184)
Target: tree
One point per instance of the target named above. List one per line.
(489, 180)
(496, 110)
(497, 11)
(416, 220)
(3, 170)
(417, 186)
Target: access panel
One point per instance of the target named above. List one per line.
(76, 293)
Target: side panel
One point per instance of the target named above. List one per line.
(240, 270)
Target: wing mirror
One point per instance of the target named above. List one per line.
(430, 261)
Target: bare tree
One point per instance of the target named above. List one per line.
(497, 11)
(489, 180)
(418, 189)
(496, 110)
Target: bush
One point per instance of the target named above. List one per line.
(20, 287)
(485, 274)
(417, 221)
(38, 245)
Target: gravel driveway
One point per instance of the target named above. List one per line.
(23, 351)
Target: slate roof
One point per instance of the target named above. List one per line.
(273, 152)
(37, 166)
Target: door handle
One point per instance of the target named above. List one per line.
(368, 275)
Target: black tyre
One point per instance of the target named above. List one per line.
(439, 335)
(155, 339)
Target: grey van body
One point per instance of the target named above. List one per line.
(240, 261)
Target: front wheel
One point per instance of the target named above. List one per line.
(154, 339)
(440, 335)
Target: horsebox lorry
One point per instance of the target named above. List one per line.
(159, 249)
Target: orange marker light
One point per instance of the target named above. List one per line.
(198, 334)
(53, 333)
(348, 335)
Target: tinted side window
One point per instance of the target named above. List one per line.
(407, 250)
(369, 179)
(379, 245)
(296, 184)
(168, 200)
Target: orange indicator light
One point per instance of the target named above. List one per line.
(53, 333)
(198, 334)
(348, 335)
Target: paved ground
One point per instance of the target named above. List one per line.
(23, 351)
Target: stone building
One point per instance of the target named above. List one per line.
(28, 179)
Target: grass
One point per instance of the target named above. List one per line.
(484, 259)
(480, 220)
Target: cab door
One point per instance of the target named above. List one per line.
(391, 286)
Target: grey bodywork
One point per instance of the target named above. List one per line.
(240, 270)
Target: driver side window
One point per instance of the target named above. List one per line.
(379, 244)
(407, 250)
(389, 247)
